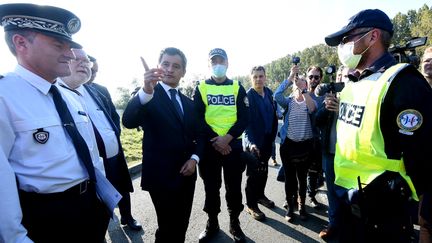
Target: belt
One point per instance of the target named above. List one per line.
(77, 190)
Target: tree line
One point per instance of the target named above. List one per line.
(415, 23)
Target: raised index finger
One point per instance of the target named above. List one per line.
(146, 68)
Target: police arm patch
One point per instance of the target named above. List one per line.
(246, 101)
(409, 121)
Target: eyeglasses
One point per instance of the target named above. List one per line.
(347, 38)
(316, 77)
(83, 62)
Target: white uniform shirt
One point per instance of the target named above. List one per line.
(100, 121)
(42, 164)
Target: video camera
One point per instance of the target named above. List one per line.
(406, 53)
(332, 87)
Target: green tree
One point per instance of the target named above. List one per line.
(124, 96)
(423, 26)
(402, 29)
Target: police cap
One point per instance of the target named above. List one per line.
(218, 52)
(53, 21)
(366, 18)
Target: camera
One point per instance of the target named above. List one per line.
(407, 53)
(330, 70)
(332, 87)
(295, 60)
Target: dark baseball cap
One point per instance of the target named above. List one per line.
(366, 18)
(48, 20)
(218, 52)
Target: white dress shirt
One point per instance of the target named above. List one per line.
(145, 98)
(101, 123)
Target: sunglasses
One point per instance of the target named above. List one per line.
(347, 38)
(316, 77)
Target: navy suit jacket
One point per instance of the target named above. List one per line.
(117, 174)
(110, 105)
(254, 133)
(168, 140)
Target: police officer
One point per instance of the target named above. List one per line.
(222, 103)
(383, 127)
(48, 193)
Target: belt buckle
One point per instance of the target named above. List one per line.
(83, 187)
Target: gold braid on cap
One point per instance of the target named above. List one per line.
(41, 24)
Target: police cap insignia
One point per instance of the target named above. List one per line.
(56, 22)
(41, 136)
(409, 121)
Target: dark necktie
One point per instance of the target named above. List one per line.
(173, 93)
(99, 140)
(77, 140)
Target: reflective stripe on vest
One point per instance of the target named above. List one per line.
(360, 149)
(221, 108)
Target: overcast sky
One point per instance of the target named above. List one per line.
(252, 32)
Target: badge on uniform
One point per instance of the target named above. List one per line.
(41, 136)
(246, 101)
(409, 121)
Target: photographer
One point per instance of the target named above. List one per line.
(326, 118)
(296, 140)
(384, 125)
(425, 206)
(426, 65)
(314, 178)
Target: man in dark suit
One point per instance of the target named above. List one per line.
(172, 144)
(104, 91)
(100, 109)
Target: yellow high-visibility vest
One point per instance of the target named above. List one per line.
(221, 108)
(360, 147)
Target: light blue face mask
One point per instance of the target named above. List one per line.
(219, 70)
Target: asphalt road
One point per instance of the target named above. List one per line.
(273, 229)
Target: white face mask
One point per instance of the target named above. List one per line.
(219, 70)
(346, 53)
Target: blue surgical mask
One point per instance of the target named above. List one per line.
(219, 70)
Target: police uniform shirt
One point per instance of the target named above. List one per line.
(410, 93)
(79, 112)
(101, 123)
(34, 141)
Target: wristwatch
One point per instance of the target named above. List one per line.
(304, 91)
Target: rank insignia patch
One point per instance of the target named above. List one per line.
(409, 121)
(246, 101)
(41, 136)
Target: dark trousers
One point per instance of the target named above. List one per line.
(70, 216)
(295, 172)
(121, 180)
(425, 223)
(314, 177)
(210, 168)
(257, 173)
(334, 209)
(173, 209)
